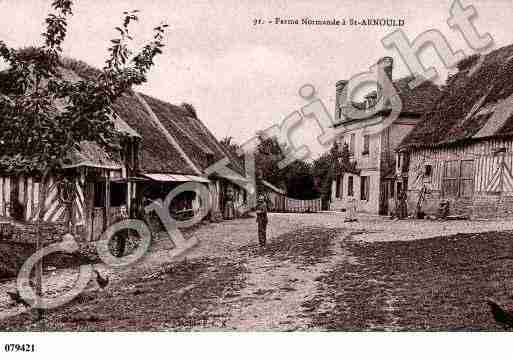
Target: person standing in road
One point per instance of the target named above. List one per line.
(262, 220)
(402, 211)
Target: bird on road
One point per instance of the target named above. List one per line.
(501, 315)
(102, 282)
(16, 297)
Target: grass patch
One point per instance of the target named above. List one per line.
(429, 284)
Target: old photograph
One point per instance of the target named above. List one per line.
(255, 166)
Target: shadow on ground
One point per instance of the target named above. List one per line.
(430, 284)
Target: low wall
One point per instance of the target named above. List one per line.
(481, 205)
(18, 232)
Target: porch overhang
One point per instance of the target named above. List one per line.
(92, 165)
(130, 179)
(166, 177)
(234, 178)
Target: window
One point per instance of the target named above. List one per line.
(338, 187)
(450, 181)
(458, 179)
(392, 188)
(428, 170)
(364, 188)
(467, 178)
(352, 144)
(366, 139)
(350, 191)
(118, 193)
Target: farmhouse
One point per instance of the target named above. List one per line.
(462, 150)
(162, 147)
(192, 148)
(371, 140)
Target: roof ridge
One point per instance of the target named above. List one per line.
(190, 136)
(166, 133)
(472, 104)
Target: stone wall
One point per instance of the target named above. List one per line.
(479, 206)
(18, 232)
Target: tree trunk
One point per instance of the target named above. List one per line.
(39, 243)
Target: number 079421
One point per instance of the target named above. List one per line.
(19, 348)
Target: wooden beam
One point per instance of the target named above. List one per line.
(107, 199)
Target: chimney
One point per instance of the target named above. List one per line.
(385, 68)
(340, 85)
(387, 64)
(371, 99)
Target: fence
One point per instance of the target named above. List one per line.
(281, 203)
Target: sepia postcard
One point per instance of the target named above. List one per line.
(303, 166)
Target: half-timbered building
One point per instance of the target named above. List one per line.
(163, 146)
(462, 150)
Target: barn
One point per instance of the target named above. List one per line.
(461, 152)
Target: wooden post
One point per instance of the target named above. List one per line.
(38, 272)
(71, 221)
(88, 210)
(502, 175)
(128, 197)
(107, 199)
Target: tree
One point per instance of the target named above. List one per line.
(45, 116)
(296, 178)
(267, 157)
(329, 165)
(299, 180)
(324, 171)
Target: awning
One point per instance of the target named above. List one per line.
(233, 177)
(130, 179)
(274, 188)
(165, 177)
(198, 179)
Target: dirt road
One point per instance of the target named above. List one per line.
(317, 273)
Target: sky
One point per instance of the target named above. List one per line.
(240, 77)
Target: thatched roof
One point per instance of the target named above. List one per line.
(92, 155)
(193, 136)
(172, 139)
(414, 102)
(476, 103)
(418, 100)
(157, 154)
(87, 153)
(181, 122)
